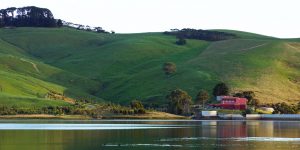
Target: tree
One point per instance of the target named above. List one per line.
(27, 17)
(99, 30)
(135, 104)
(169, 68)
(181, 41)
(137, 107)
(207, 35)
(250, 95)
(284, 108)
(2, 24)
(59, 23)
(179, 102)
(202, 97)
(254, 102)
(221, 89)
(80, 27)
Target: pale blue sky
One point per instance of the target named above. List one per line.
(280, 18)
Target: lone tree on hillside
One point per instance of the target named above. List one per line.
(221, 89)
(59, 23)
(180, 102)
(169, 68)
(202, 97)
(180, 41)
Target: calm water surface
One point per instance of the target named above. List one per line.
(141, 134)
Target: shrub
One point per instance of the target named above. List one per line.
(284, 108)
(169, 68)
(181, 41)
(135, 104)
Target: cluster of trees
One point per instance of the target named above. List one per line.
(136, 107)
(85, 27)
(206, 35)
(30, 16)
(5, 110)
(87, 109)
(284, 108)
(58, 110)
(179, 102)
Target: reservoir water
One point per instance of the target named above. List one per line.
(148, 134)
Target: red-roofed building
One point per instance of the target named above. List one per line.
(228, 102)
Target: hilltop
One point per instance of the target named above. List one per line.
(122, 67)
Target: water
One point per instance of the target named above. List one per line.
(142, 134)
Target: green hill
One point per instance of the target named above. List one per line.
(122, 67)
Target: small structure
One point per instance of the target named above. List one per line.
(231, 116)
(268, 109)
(209, 113)
(253, 116)
(228, 102)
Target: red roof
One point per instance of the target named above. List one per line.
(228, 102)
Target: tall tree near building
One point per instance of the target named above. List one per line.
(202, 97)
(221, 89)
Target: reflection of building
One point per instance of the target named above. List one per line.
(209, 128)
(228, 102)
(224, 129)
(232, 129)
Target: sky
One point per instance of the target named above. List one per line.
(278, 18)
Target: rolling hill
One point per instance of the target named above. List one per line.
(123, 67)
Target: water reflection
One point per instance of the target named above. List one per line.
(187, 135)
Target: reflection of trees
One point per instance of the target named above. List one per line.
(260, 129)
(28, 140)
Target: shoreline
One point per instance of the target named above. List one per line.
(148, 116)
(125, 117)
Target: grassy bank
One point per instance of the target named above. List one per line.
(45, 116)
(148, 115)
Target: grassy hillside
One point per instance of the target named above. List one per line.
(122, 67)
